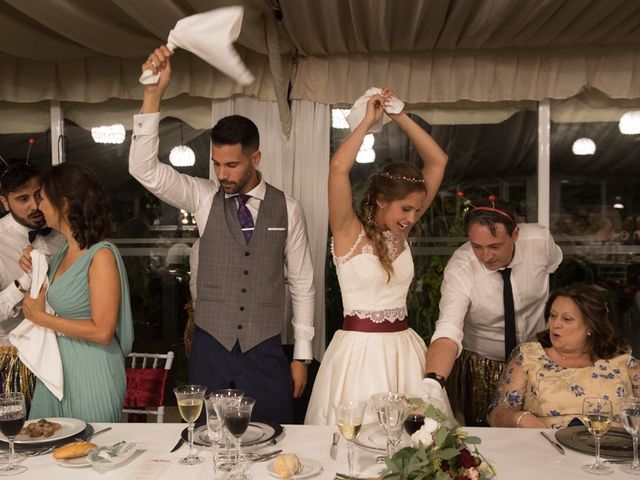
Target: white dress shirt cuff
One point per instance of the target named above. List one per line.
(146, 123)
(13, 295)
(302, 350)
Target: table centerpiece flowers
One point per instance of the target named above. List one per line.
(439, 452)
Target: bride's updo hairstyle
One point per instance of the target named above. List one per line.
(88, 206)
(396, 181)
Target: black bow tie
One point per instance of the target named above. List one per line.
(44, 231)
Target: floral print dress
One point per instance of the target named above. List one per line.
(532, 381)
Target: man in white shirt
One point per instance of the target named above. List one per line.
(20, 186)
(240, 281)
(473, 325)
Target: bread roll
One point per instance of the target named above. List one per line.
(73, 449)
(286, 465)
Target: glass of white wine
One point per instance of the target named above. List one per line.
(597, 414)
(391, 408)
(349, 416)
(630, 413)
(190, 400)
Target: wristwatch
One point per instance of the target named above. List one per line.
(438, 378)
(19, 286)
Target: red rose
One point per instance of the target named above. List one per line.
(462, 477)
(465, 459)
(444, 466)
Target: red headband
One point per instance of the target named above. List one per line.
(491, 209)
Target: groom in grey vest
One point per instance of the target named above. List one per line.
(252, 231)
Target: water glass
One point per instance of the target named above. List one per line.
(190, 400)
(596, 415)
(237, 415)
(13, 413)
(349, 414)
(391, 408)
(630, 413)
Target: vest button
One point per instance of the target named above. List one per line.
(242, 309)
(246, 254)
(246, 272)
(244, 290)
(239, 327)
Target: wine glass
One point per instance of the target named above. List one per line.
(349, 415)
(391, 408)
(190, 399)
(596, 415)
(237, 415)
(13, 413)
(222, 399)
(630, 413)
(214, 424)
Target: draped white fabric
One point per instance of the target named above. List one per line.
(299, 167)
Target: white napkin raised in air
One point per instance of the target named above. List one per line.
(210, 36)
(359, 109)
(37, 346)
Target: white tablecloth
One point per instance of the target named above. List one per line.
(516, 453)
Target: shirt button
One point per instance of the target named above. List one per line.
(244, 290)
(246, 272)
(242, 309)
(246, 254)
(239, 327)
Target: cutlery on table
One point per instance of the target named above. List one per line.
(93, 434)
(260, 457)
(177, 445)
(555, 444)
(333, 451)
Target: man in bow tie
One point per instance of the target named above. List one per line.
(24, 224)
(249, 232)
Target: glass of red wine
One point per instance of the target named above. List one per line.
(237, 415)
(413, 423)
(13, 413)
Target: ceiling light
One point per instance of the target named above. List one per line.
(109, 133)
(367, 154)
(584, 146)
(618, 203)
(182, 156)
(339, 118)
(630, 123)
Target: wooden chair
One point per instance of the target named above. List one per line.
(146, 385)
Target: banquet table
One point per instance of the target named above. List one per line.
(515, 453)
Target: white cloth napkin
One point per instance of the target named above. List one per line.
(359, 109)
(210, 36)
(37, 346)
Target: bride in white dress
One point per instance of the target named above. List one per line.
(375, 351)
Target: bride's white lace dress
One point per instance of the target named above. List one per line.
(358, 364)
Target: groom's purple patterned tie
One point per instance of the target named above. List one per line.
(244, 217)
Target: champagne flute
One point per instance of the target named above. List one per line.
(391, 408)
(630, 413)
(13, 413)
(190, 399)
(349, 415)
(596, 415)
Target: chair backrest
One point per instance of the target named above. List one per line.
(146, 384)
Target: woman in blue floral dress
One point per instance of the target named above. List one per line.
(578, 356)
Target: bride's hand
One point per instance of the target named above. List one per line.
(375, 110)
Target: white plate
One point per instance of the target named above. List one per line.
(70, 427)
(256, 433)
(372, 437)
(79, 462)
(309, 468)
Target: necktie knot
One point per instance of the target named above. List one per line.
(243, 199)
(44, 231)
(506, 273)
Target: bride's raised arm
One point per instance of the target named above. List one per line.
(342, 218)
(433, 157)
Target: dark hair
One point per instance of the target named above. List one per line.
(396, 181)
(603, 343)
(236, 129)
(16, 175)
(88, 204)
(496, 212)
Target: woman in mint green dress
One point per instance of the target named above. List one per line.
(90, 294)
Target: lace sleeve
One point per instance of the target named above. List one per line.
(347, 256)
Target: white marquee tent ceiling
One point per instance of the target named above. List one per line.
(429, 50)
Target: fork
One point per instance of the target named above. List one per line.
(41, 451)
(92, 435)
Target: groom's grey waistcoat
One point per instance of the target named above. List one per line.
(241, 290)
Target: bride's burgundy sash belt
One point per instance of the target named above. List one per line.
(357, 324)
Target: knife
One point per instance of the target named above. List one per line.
(555, 444)
(177, 446)
(333, 451)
